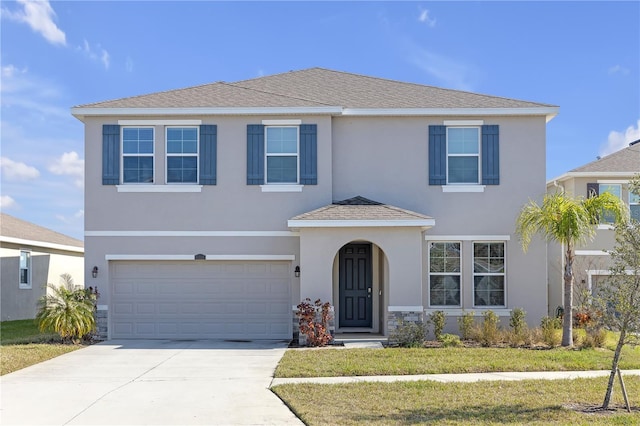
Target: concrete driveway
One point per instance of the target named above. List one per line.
(150, 382)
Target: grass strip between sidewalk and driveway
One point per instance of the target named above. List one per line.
(532, 402)
(22, 345)
(401, 361)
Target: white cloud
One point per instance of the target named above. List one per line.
(618, 69)
(39, 15)
(128, 65)
(11, 70)
(70, 220)
(453, 74)
(69, 164)
(98, 54)
(13, 170)
(426, 19)
(619, 140)
(7, 202)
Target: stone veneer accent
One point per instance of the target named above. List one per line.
(396, 318)
(102, 318)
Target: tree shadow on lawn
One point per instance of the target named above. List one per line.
(504, 414)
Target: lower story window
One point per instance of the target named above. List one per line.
(25, 269)
(489, 274)
(444, 274)
(634, 206)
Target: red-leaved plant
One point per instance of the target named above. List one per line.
(314, 321)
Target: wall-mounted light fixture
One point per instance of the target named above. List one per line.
(94, 272)
(297, 271)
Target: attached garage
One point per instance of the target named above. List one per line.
(200, 299)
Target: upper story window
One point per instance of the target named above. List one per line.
(281, 154)
(182, 155)
(25, 269)
(463, 155)
(595, 189)
(137, 154)
(489, 274)
(634, 205)
(444, 274)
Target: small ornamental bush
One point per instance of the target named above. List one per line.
(517, 335)
(595, 337)
(489, 331)
(450, 340)
(438, 319)
(314, 322)
(408, 334)
(465, 325)
(549, 327)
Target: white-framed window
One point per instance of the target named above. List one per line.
(281, 154)
(463, 155)
(634, 206)
(137, 155)
(608, 217)
(182, 154)
(25, 269)
(444, 274)
(489, 274)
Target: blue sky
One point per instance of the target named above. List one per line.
(581, 56)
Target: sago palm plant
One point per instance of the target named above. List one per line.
(66, 310)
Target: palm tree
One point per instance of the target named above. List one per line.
(568, 221)
(66, 310)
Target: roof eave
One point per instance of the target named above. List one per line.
(81, 112)
(301, 223)
(548, 112)
(43, 244)
(573, 175)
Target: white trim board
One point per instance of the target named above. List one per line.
(81, 112)
(477, 311)
(463, 188)
(159, 122)
(401, 308)
(591, 253)
(281, 188)
(191, 234)
(159, 188)
(429, 237)
(192, 257)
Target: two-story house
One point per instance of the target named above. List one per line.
(212, 211)
(591, 264)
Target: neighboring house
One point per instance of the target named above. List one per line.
(32, 257)
(591, 264)
(212, 211)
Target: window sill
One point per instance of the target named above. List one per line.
(25, 287)
(477, 311)
(606, 226)
(159, 188)
(463, 188)
(281, 188)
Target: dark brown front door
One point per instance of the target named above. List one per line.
(355, 286)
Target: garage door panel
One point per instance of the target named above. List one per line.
(201, 300)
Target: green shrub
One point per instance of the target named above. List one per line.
(517, 334)
(67, 311)
(408, 334)
(550, 327)
(465, 325)
(594, 337)
(450, 340)
(438, 319)
(489, 332)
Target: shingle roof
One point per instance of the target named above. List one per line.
(315, 87)
(13, 227)
(360, 209)
(624, 160)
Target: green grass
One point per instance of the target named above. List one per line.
(398, 361)
(22, 345)
(536, 402)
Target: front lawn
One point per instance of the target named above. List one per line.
(399, 361)
(537, 402)
(22, 345)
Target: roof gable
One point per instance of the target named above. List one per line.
(14, 228)
(314, 88)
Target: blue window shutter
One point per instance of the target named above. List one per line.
(308, 154)
(110, 154)
(208, 153)
(255, 154)
(437, 155)
(490, 155)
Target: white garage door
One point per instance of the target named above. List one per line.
(201, 300)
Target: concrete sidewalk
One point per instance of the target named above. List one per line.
(466, 377)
